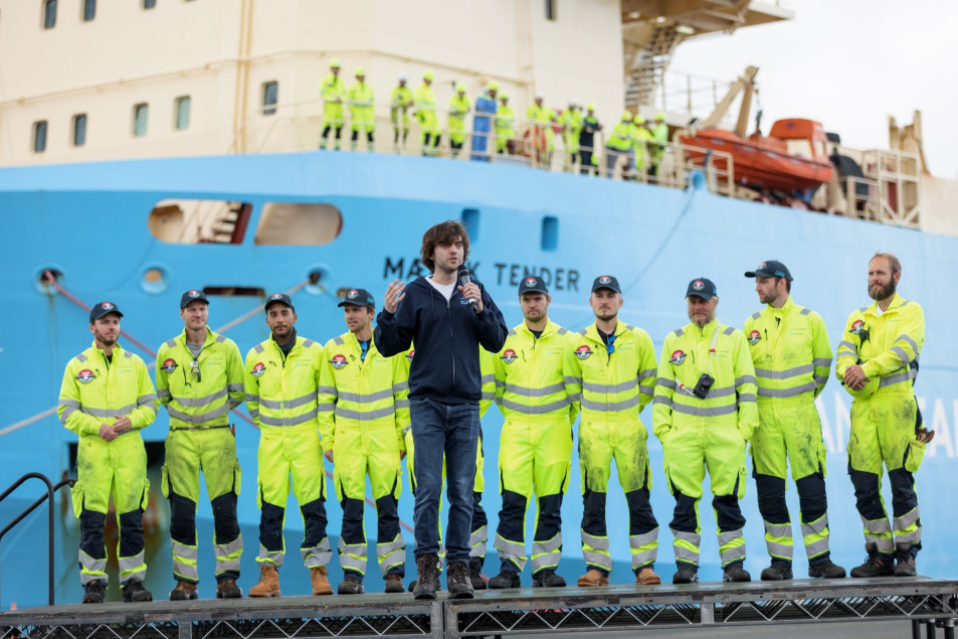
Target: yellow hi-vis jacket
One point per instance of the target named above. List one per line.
(790, 351)
(366, 395)
(887, 345)
(614, 388)
(731, 401)
(282, 390)
(200, 393)
(95, 391)
(536, 378)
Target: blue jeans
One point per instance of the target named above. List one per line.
(453, 430)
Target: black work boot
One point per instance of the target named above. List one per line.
(457, 579)
(686, 575)
(134, 592)
(505, 579)
(777, 572)
(475, 574)
(94, 592)
(876, 565)
(350, 586)
(737, 574)
(427, 574)
(826, 570)
(547, 578)
(906, 561)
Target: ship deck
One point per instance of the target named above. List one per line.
(921, 600)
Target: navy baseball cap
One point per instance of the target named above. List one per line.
(771, 268)
(533, 284)
(359, 297)
(702, 287)
(192, 296)
(280, 298)
(102, 310)
(606, 281)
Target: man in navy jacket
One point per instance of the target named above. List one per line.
(447, 322)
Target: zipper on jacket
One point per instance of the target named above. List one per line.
(452, 339)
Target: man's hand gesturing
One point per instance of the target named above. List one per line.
(394, 295)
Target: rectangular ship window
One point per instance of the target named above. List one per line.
(40, 136)
(551, 10)
(270, 97)
(149, 4)
(550, 233)
(141, 113)
(470, 220)
(89, 10)
(79, 129)
(182, 113)
(49, 14)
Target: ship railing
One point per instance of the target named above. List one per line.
(48, 497)
(298, 127)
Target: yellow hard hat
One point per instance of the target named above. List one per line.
(335, 63)
(360, 72)
(639, 119)
(590, 106)
(503, 96)
(870, 387)
(429, 75)
(626, 115)
(493, 86)
(461, 87)
(660, 115)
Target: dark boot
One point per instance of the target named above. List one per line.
(475, 574)
(547, 578)
(227, 589)
(826, 570)
(393, 583)
(94, 592)
(350, 586)
(777, 572)
(184, 591)
(457, 579)
(736, 573)
(134, 592)
(875, 565)
(906, 562)
(505, 579)
(427, 574)
(686, 575)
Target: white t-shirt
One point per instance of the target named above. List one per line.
(445, 289)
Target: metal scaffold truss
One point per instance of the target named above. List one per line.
(514, 612)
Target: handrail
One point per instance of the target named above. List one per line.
(51, 489)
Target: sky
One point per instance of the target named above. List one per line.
(849, 64)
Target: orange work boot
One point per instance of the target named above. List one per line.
(592, 579)
(320, 581)
(646, 577)
(268, 585)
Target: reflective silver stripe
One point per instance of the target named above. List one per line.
(610, 407)
(667, 383)
(601, 560)
(317, 556)
(308, 343)
(534, 392)
(573, 380)
(788, 392)
(511, 333)
(81, 358)
(902, 355)
(736, 553)
(725, 391)
(511, 551)
(863, 309)
(164, 393)
(258, 348)
(575, 397)
(479, 536)
(913, 537)
(254, 413)
(300, 401)
(649, 372)
(684, 554)
(289, 421)
(127, 354)
(547, 560)
(107, 412)
(487, 396)
(679, 332)
(230, 548)
(596, 543)
(146, 399)
(805, 311)
(67, 413)
(268, 403)
(646, 390)
(731, 535)
(562, 331)
(911, 342)
(583, 332)
(661, 399)
(268, 556)
(817, 547)
(549, 546)
(357, 550)
(821, 379)
(534, 410)
(775, 549)
(220, 338)
(693, 538)
(906, 520)
(386, 549)
(401, 386)
(848, 345)
(199, 419)
(171, 343)
(778, 530)
(705, 412)
(338, 341)
(235, 388)
(610, 388)
(127, 564)
(92, 565)
(404, 403)
(645, 557)
(746, 397)
(69, 402)
(729, 330)
(816, 527)
(186, 571)
(822, 361)
(406, 429)
(785, 374)
(328, 390)
(368, 398)
(756, 316)
(637, 541)
(888, 381)
(326, 408)
(745, 379)
(485, 379)
(252, 398)
(344, 413)
(876, 526)
(184, 552)
(201, 401)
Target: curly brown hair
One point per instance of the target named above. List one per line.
(444, 233)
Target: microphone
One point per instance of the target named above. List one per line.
(466, 278)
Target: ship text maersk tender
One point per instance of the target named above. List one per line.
(318, 223)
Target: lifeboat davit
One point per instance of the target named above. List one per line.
(792, 158)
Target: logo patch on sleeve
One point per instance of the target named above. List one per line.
(411, 354)
(677, 358)
(258, 370)
(169, 366)
(753, 337)
(858, 327)
(86, 376)
(509, 356)
(583, 352)
(338, 361)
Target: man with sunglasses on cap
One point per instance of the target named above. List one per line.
(199, 378)
(792, 358)
(535, 373)
(363, 409)
(704, 413)
(106, 398)
(282, 382)
(614, 367)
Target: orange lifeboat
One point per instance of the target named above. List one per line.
(792, 158)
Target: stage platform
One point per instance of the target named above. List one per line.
(924, 601)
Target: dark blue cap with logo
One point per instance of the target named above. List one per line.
(606, 281)
(771, 268)
(103, 309)
(359, 297)
(279, 298)
(192, 296)
(532, 284)
(702, 287)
